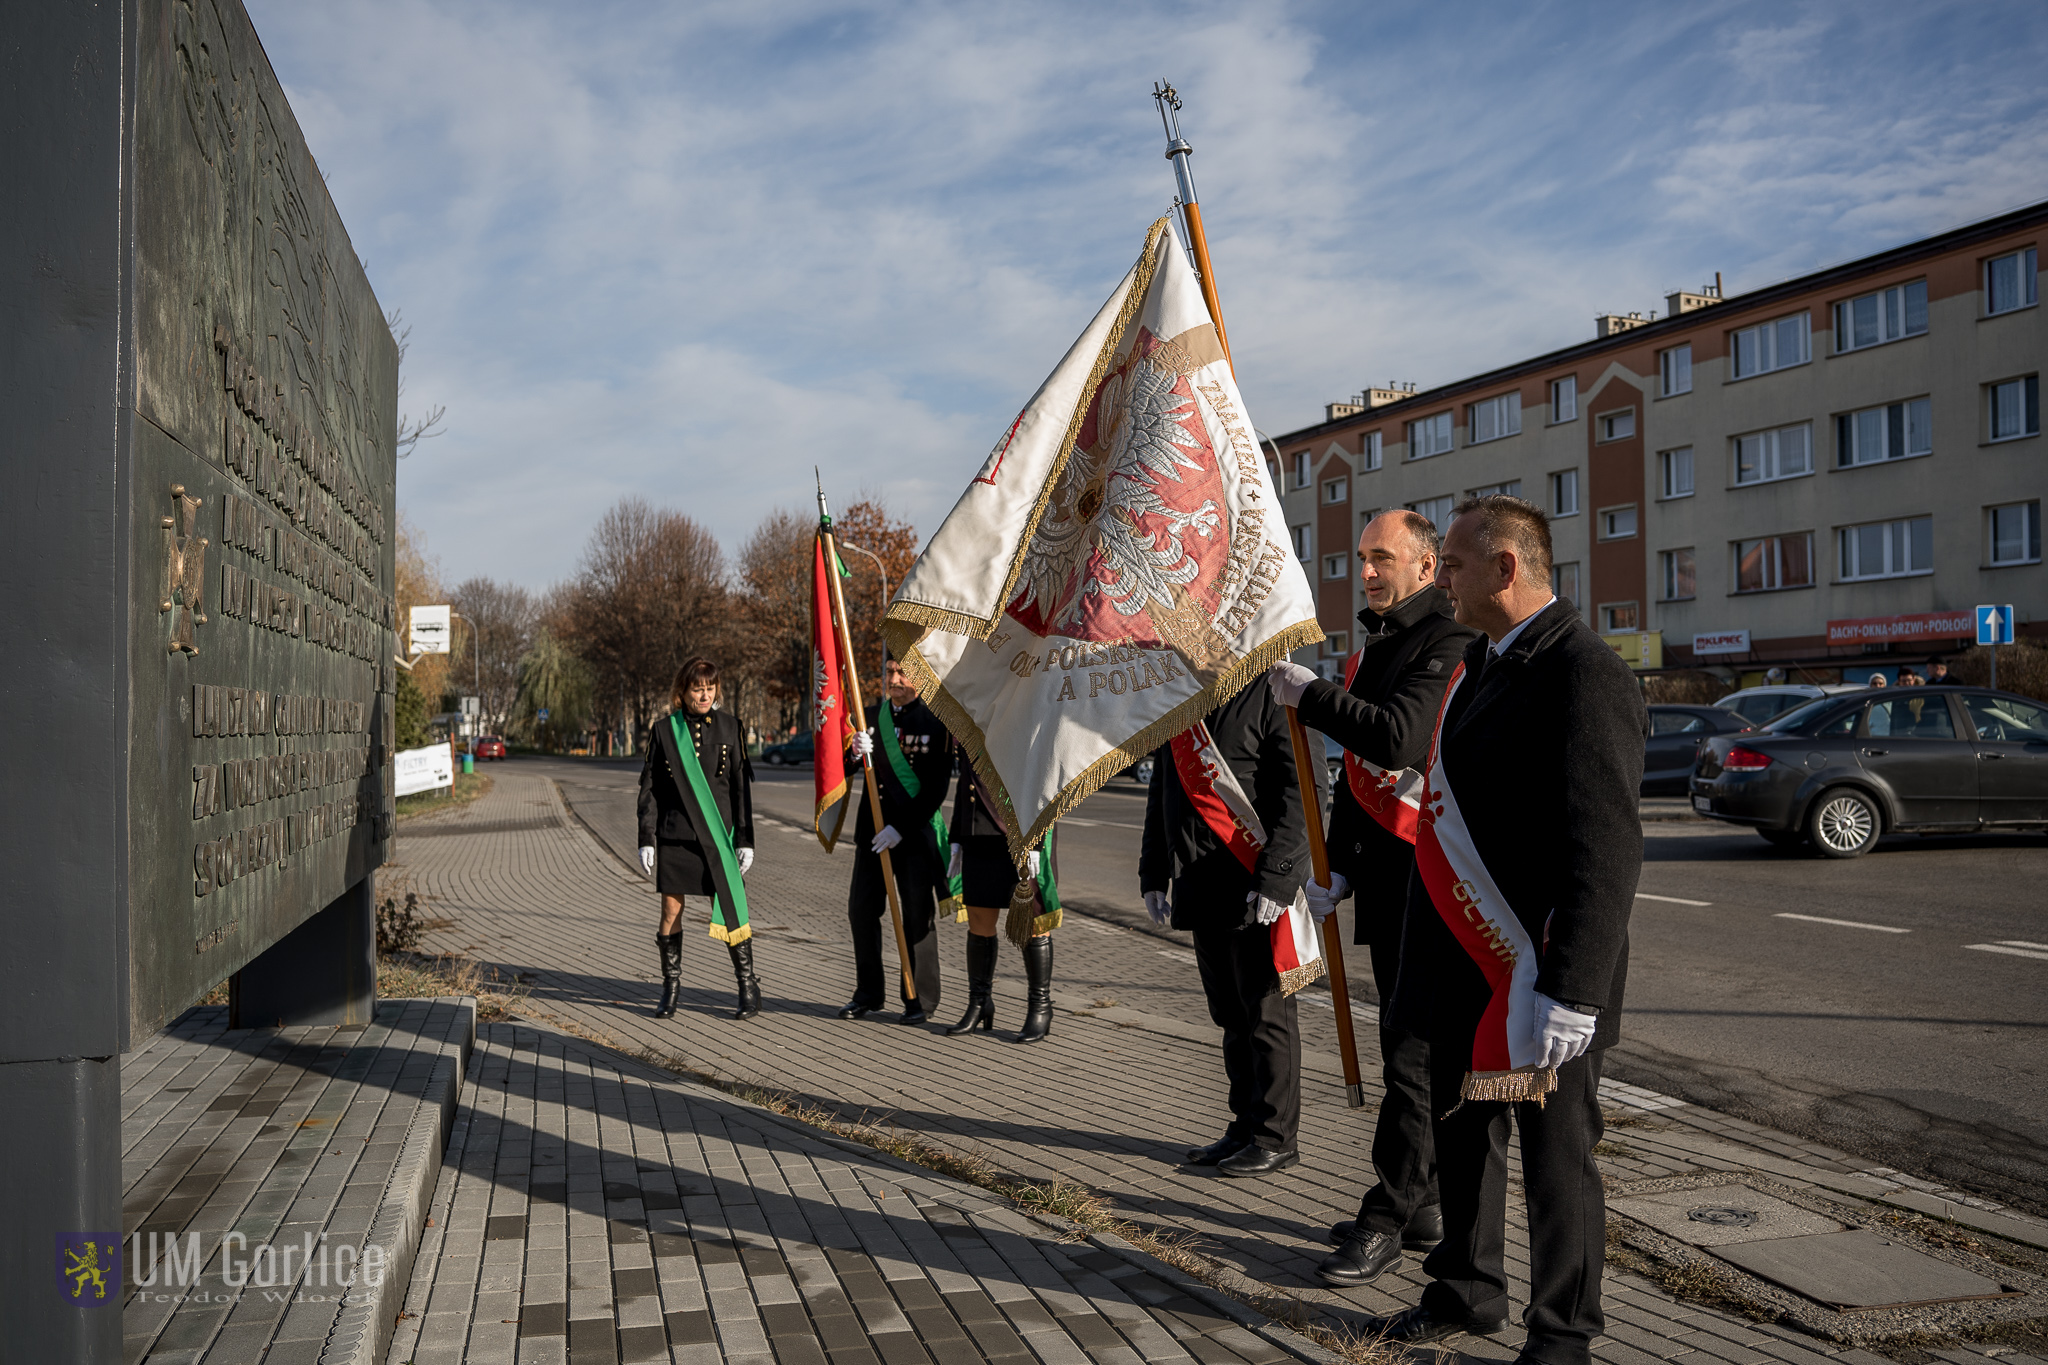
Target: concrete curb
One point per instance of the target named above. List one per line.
(362, 1332)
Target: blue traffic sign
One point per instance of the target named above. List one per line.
(1994, 625)
(541, 714)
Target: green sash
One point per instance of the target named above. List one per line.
(729, 910)
(885, 722)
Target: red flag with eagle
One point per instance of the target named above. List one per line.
(1119, 566)
(831, 723)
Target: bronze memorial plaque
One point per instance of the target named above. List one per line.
(261, 497)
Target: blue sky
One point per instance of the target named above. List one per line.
(688, 251)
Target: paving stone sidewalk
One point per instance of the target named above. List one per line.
(1128, 1080)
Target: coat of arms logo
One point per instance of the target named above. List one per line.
(184, 571)
(89, 1267)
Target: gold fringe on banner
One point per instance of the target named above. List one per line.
(1509, 1087)
(732, 938)
(1294, 978)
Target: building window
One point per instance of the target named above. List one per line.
(1438, 510)
(1675, 369)
(1336, 566)
(1512, 489)
(1564, 581)
(1620, 618)
(1301, 545)
(1430, 436)
(1617, 523)
(1888, 549)
(1336, 490)
(1617, 426)
(1680, 579)
(1301, 473)
(1773, 563)
(1769, 346)
(1497, 417)
(1564, 399)
(2011, 282)
(2015, 408)
(1887, 315)
(1369, 452)
(1891, 432)
(2016, 534)
(1564, 493)
(1675, 466)
(1786, 453)
(1338, 644)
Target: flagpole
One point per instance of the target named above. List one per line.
(1178, 152)
(860, 722)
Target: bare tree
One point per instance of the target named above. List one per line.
(649, 593)
(501, 620)
(411, 430)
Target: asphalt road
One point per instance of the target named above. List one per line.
(1895, 1006)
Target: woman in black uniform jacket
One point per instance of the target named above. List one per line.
(981, 856)
(673, 849)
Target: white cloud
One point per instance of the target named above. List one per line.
(687, 252)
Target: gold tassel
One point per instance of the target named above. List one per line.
(1509, 1087)
(1017, 924)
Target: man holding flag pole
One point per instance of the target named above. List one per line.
(898, 836)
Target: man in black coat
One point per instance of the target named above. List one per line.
(1409, 646)
(1542, 749)
(1228, 907)
(914, 852)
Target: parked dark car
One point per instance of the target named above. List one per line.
(1676, 734)
(801, 749)
(1141, 771)
(488, 746)
(1844, 771)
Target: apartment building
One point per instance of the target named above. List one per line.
(1811, 474)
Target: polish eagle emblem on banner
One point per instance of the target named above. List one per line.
(1118, 565)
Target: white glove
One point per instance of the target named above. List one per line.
(1561, 1033)
(1269, 911)
(1322, 902)
(647, 859)
(1158, 907)
(956, 862)
(885, 840)
(863, 743)
(745, 858)
(1288, 681)
(1030, 864)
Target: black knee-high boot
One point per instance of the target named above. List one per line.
(1038, 980)
(750, 985)
(981, 980)
(671, 948)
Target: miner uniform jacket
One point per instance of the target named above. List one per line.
(1405, 661)
(722, 753)
(1543, 749)
(929, 749)
(1209, 884)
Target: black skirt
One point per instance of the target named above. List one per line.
(683, 870)
(987, 876)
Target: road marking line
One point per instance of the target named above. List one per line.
(1114, 824)
(1843, 923)
(1675, 900)
(2009, 952)
(2022, 943)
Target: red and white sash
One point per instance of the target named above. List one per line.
(1228, 812)
(1392, 798)
(1504, 1050)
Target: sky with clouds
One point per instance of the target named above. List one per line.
(689, 251)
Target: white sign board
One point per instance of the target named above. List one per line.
(471, 705)
(1722, 642)
(420, 770)
(430, 629)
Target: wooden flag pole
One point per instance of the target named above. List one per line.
(1178, 152)
(867, 762)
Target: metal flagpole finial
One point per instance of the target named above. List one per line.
(824, 512)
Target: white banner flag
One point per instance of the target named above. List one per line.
(1119, 566)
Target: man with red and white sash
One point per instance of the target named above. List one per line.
(1224, 855)
(1408, 647)
(1515, 946)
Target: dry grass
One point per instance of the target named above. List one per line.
(468, 787)
(1699, 1280)
(409, 976)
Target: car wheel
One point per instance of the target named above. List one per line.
(1784, 838)
(773, 760)
(1844, 823)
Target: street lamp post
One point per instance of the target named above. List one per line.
(881, 573)
(476, 656)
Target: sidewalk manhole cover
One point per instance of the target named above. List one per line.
(1858, 1271)
(1723, 1216)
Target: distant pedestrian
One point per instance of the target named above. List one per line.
(1937, 674)
(1908, 678)
(1877, 680)
(697, 829)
